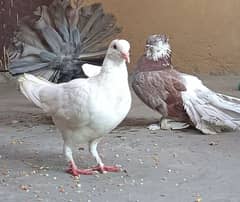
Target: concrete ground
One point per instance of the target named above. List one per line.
(182, 166)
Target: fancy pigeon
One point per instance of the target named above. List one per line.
(60, 38)
(85, 110)
(182, 99)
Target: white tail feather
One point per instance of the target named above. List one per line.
(210, 112)
(30, 86)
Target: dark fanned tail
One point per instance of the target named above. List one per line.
(60, 39)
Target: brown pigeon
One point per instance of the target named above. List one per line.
(180, 98)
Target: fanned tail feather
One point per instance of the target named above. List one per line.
(210, 112)
(60, 38)
(213, 114)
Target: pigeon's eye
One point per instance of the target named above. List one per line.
(115, 46)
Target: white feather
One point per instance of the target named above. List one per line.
(157, 51)
(91, 70)
(209, 111)
(85, 109)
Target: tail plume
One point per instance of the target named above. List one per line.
(30, 86)
(60, 38)
(213, 113)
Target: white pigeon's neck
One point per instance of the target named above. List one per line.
(112, 65)
(114, 70)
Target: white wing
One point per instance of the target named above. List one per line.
(209, 111)
(91, 70)
(66, 103)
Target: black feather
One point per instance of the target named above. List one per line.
(60, 39)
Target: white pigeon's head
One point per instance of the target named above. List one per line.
(118, 50)
(157, 47)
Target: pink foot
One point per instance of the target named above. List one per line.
(73, 170)
(103, 169)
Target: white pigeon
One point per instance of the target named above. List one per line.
(85, 110)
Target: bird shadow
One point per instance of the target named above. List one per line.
(138, 122)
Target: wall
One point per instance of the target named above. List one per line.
(204, 34)
(11, 11)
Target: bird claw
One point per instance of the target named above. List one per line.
(73, 170)
(170, 124)
(105, 169)
(77, 172)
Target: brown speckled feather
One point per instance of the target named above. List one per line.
(181, 97)
(159, 86)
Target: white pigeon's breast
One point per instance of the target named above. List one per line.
(109, 108)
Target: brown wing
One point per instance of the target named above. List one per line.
(161, 91)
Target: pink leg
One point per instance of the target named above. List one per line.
(100, 167)
(73, 170)
(103, 169)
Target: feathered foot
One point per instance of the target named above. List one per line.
(73, 170)
(104, 169)
(168, 124)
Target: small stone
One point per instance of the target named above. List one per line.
(119, 166)
(34, 172)
(198, 199)
(14, 121)
(25, 188)
(76, 177)
(61, 189)
(117, 155)
(140, 161)
(213, 143)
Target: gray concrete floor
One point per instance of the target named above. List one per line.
(182, 166)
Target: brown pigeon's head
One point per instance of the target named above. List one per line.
(157, 47)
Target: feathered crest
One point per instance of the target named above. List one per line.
(157, 47)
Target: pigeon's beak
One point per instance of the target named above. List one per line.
(126, 57)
